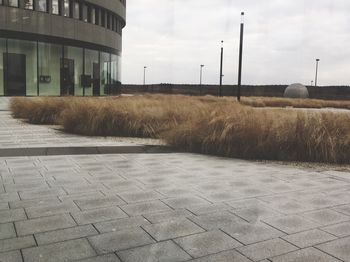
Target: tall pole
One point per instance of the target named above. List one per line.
(144, 75)
(317, 61)
(221, 65)
(240, 59)
(200, 78)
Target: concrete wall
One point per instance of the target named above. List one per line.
(325, 92)
(20, 20)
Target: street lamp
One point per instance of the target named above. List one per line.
(240, 59)
(317, 61)
(144, 75)
(221, 65)
(200, 78)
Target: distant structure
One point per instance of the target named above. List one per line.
(296, 91)
(61, 47)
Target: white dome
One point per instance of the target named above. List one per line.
(296, 91)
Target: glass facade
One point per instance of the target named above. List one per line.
(37, 68)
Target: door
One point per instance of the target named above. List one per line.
(67, 77)
(96, 79)
(15, 74)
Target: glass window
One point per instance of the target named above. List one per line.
(28, 4)
(49, 69)
(92, 68)
(85, 13)
(75, 54)
(76, 13)
(66, 8)
(41, 5)
(2, 52)
(28, 49)
(55, 7)
(93, 15)
(13, 3)
(0, 2)
(97, 15)
(105, 69)
(103, 19)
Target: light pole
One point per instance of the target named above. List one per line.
(240, 59)
(317, 61)
(144, 75)
(221, 65)
(200, 78)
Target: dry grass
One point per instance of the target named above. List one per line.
(296, 103)
(210, 125)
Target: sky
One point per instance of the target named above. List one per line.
(282, 39)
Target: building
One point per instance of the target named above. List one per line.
(60, 47)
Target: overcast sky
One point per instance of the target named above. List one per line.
(282, 40)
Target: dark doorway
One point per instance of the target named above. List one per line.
(67, 77)
(96, 79)
(15, 74)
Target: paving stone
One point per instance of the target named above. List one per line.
(92, 203)
(217, 220)
(12, 256)
(267, 249)
(38, 225)
(39, 194)
(163, 251)
(42, 211)
(305, 255)
(140, 196)
(145, 208)
(172, 229)
(120, 240)
(103, 258)
(210, 208)
(226, 256)
(338, 248)
(343, 209)
(16, 243)
(339, 230)
(256, 213)
(12, 215)
(7, 231)
(65, 234)
(291, 224)
(63, 251)
(309, 238)
(326, 217)
(33, 202)
(168, 216)
(206, 243)
(184, 202)
(4, 206)
(98, 215)
(252, 233)
(121, 224)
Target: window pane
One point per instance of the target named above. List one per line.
(76, 10)
(85, 13)
(49, 69)
(13, 3)
(41, 5)
(28, 4)
(66, 8)
(92, 69)
(55, 7)
(105, 73)
(93, 16)
(76, 55)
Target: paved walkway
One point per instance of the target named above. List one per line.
(164, 207)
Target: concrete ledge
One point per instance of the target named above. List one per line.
(103, 150)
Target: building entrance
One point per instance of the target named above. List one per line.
(14, 74)
(67, 77)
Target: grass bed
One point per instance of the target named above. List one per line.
(208, 125)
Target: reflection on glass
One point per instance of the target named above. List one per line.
(13, 3)
(76, 14)
(55, 7)
(2, 52)
(41, 5)
(28, 4)
(66, 8)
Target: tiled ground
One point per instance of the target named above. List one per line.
(168, 207)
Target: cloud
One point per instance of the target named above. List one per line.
(282, 40)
